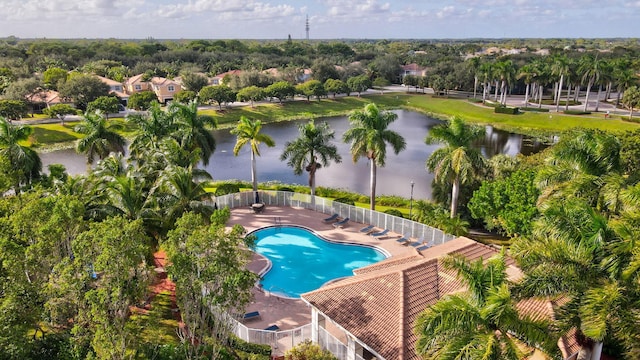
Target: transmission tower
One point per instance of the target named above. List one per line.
(307, 27)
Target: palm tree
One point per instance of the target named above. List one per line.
(25, 162)
(153, 126)
(99, 139)
(303, 153)
(483, 322)
(473, 65)
(505, 71)
(457, 162)
(591, 68)
(486, 73)
(193, 130)
(369, 136)
(527, 73)
(248, 132)
(576, 254)
(559, 67)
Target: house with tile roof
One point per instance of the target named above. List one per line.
(412, 69)
(375, 311)
(136, 84)
(164, 88)
(115, 87)
(220, 78)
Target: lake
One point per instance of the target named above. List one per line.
(393, 179)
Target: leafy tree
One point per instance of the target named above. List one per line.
(386, 66)
(591, 69)
(83, 89)
(359, 84)
(248, 132)
(193, 131)
(457, 162)
(369, 136)
(208, 265)
(314, 142)
(142, 100)
(24, 161)
(54, 77)
(251, 94)
(280, 90)
(482, 322)
(60, 111)
(194, 82)
(13, 109)
(311, 88)
(105, 104)
(184, 96)
(22, 89)
(334, 87)
(508, 205)
(631, 99)
(118, 275)
(99, 140)
(220, 94)
(323, 70)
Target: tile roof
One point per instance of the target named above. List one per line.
(380, 304)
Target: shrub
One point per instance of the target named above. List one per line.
(308, 351)
(474, 100)
(389, 200)
(227, 188)
(284, 188)
(506, 110)
(239, 344)
(394, 212)
(577, 112)
(534, 109)
(345, 200)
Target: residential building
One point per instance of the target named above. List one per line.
(164, 88)
(219, 79)
(115, 87)
(135, 84)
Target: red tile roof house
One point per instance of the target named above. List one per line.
(115, 87)
(413, 69)
(135, 84)
(165, 89)
(219, 79)
(376, 309)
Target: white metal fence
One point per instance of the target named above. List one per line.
(331, 343)
(282, 340)
(327, 206)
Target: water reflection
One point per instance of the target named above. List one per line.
(393, 179)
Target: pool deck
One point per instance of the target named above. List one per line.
(292, 313)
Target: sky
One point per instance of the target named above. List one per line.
(328, 19)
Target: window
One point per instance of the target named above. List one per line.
(138, 87)
(117, 88)
(171, 88)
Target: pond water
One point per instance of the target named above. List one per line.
(393, 179)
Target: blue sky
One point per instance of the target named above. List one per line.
(329, 19)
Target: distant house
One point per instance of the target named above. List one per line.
(302, 76)
(412, 69)
(219, 79)
(135, 84)
(165, 89)
(115, 87)
(44, 99)
(375, 311)
(178, 79)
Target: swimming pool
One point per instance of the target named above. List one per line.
(301, 261)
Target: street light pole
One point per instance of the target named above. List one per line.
(411, 201)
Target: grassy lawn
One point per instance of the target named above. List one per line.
(528, 122)
(53, 133)
(158, 325)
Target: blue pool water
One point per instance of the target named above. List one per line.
(303, 262)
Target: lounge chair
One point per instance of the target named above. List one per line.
(404, 240)
(251, 316)
(425, 246)
(272, 328)
(379, 233)
(331, 218)
(341, 223)
(367, 229)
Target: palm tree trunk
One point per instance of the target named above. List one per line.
(631, 113)
(598, 97)
(607, 94)
(540, 97)
(526, 95)
(596, 351)
(555, 91)
(475, 86)
(586, 100)
(372, 183)
(455, 192)
(312, 182)
(495, 96)
(559, 91)
(254, 179)
(566, 106)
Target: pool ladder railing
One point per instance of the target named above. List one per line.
(277, 221)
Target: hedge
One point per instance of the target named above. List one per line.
(227, 188)
(506, 110)
(534, 109)
(239, 344)
(577, 112)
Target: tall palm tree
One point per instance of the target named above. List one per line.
(248, 132)
(24, 161)
(505, 71)
(486, 73)
(314, 142)
(457, 162)
(369, 136)
(483, 322)
(591, 68)
(193, 131)
(474, 68)
(559, 67)
(99, 139)
(527, 73)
